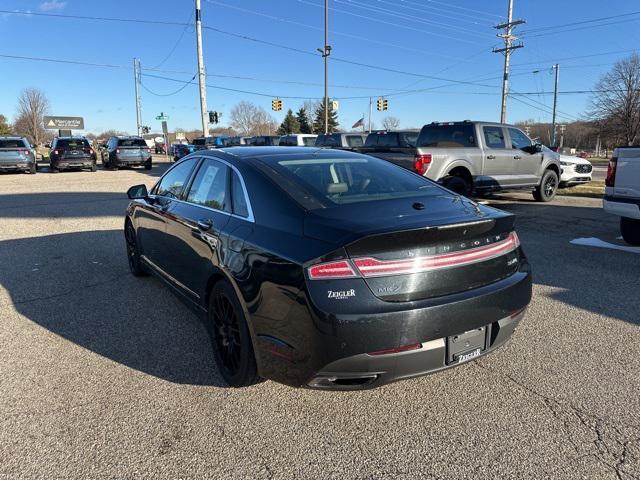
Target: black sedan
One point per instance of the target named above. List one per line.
(326, 268)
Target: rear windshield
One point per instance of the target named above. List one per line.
(198, 141)
(72, 143)
(354, 180)
(354, 140)
(132, 142)
(447, 136)
(14, 143)
(309, 141)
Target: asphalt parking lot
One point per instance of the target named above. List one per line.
(104, 375)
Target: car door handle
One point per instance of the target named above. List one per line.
(491, 157)
(205, 224)
(517, 157)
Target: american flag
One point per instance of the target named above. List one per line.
(359, 123)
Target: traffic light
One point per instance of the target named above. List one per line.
(276, 105)
(385, 104)
(214, 117)
(145, 129)
(382, 104)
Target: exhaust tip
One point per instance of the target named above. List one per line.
(343, 383)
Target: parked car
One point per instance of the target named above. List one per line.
(208, 143)
(180, 150)
(71, 153)
(397, 147)
(299, 283)
(264, 141)
(486, 157)
(16, 154)
(126, 152)
(622, 191)
(298, 140)
(343, 141)
(575, 170)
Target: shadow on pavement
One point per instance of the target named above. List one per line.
(63, 204)
(78, 286)
(599, 280)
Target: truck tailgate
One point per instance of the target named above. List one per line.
(627, 180)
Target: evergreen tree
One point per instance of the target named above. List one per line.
(318, 122)
(5, 128)
(303, 120)
(289, 124)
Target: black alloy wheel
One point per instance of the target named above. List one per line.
(546, 191)
(133, 254)
(233, 350)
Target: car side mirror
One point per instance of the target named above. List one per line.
(137, 192)
(537, 147)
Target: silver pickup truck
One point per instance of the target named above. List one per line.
(622, 191)
(482, 157)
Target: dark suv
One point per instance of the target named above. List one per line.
(71, 152)
(126, 152)
(16, 154)
(264, 141)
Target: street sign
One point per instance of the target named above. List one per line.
(180, 136)
(165, 129)
(162, 116)
(64, 123)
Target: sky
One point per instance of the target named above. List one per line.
(433, 59)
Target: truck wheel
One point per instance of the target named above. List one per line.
(457, 184)
(546, 191)
(630, 230)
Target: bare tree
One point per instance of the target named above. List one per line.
(390, 123)
(32, 107)
(249, 119)
(617, 101)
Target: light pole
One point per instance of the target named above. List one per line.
(202, 80)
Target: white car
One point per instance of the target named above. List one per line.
(622, 192)
(575, 170)
(298, 140)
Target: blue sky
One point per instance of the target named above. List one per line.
(450, 39)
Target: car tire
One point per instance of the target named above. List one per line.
(94, 167)
(457, 184)
(54, 169)
(133, 251)
(546, 191)
(232, 346)
(33, 168)
(147, 165)
(630, 230)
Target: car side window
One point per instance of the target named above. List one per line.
(493, 137)
(237, 195)
(209, 187)
(173, 182)
(518, 139)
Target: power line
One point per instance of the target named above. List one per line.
(452, 15)
(571, 24)
(175, 46)
(373, 19)
(412, 18)
(543, 34)
(556, 60)
(334, 32)
(171, 93)
(449, 5)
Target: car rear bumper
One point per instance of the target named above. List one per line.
(333, 351)
(367, 371)
(78, 163)
(624, 207)
(15, 165)
(131, 162)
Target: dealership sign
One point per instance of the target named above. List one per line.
(64, 123)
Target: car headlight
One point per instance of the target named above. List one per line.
(566, 164)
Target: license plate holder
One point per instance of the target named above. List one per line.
(466, 346)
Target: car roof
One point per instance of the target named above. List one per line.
(262, 152)
(11, 137)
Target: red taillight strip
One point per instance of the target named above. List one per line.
(372, 267)
(332, 270)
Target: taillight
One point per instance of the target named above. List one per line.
(58, 152)
(610, 181)
(117, 150)
(373, 267)
(24, 152)
(88, 150)
(422, 162)
(331, 270)
(148, 150)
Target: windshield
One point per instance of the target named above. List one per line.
(72, 143)
(12, 143)
(354, 180)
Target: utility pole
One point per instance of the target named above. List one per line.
(326, 51)
(136, 79)
(562, 128)
(370, 110)
(508, 38)
(202, 80)
(556, 67)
